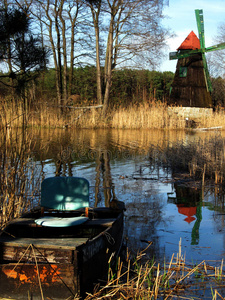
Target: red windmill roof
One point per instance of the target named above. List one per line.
(190, 43)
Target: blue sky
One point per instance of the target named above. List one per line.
(181, 20)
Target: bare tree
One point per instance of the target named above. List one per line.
(128, 33)
(47, 17)
(73, 12)
(216, 59)
(95, 11)
(134, 33)
(62, 21)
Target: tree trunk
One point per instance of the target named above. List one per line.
(95, 17)
(59, 65)
(71, 60)
(98, 67)
(50, 28)
(64, 54)
(73, 20)
(9, 61)
(108, 67)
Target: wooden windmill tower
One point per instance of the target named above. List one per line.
(192, 86)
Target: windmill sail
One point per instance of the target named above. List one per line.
(201, 34)
(220, 46)
(200, 25)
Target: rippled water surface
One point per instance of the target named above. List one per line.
(158, 210)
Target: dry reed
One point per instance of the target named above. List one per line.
(19, 178)
(147, 115)
(134, 279)
(201, 159)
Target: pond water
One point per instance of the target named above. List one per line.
(158, 210)
(116, 162)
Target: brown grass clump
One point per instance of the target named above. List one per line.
(214, 120)
(135, 280)
(19, 180)
(202, 158)
(146, 115)
(11, 113)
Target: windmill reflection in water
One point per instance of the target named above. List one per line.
(189, 203)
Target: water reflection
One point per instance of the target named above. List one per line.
(189, 203)
(103, 170)
(116, 163)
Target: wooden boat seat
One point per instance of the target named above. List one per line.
(29, 222)
(60, 222)
(63, 194)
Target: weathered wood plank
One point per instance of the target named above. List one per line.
(81, 107)
(99, 222)
(55, 243)
(29, 254)
(208, 128)
(58, 281)
(24, 221)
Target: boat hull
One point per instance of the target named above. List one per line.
(59, 268)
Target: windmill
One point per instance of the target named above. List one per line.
(192, 85)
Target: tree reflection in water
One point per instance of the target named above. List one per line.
(103, 177)
(103, 169)
(123, 164)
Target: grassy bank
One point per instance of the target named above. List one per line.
(148, 115)
(175, 279)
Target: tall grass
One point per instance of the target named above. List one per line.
(19, 179)
(11, 113)
(148, 115)
(200, 158)
(214, 120)
(133, 279)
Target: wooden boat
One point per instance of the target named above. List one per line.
(62, 249)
